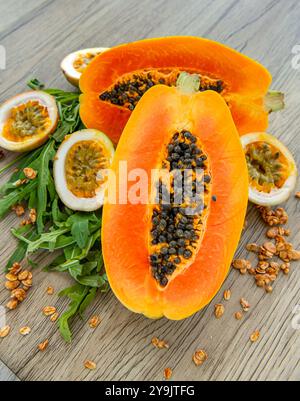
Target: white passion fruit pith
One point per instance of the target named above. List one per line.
(272, 169)
(75, 63)
(77, 169)
(27, 120)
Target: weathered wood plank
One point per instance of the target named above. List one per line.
(17, 12)
(6, 374)
(266, 31)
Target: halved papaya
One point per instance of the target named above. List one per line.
(170, 258)
(114, 82)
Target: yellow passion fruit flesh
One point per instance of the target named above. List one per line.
(77, 169)
(272, 169)
(27, 120)
(75, 63)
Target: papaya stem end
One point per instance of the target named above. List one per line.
(188, 83)
(274, 101)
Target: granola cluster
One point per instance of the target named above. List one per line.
(18, 282)
(274, 256)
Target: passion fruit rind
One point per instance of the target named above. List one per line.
(75, 63)
(272, 169)
(27, 120)
(77, 163)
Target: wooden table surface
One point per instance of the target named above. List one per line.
(36, 35)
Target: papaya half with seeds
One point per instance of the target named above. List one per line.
(115, 81)
(169, 258)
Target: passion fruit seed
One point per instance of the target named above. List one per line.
(128, 91)
(267, 167)
(175, 234)
(28, 119)
(83, 60)
(84, 161)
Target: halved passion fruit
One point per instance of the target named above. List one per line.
(27, 120)
(272, 169)
(75, 63)
(77, 167)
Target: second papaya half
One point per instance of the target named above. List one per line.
(161, 259)
(115, 81)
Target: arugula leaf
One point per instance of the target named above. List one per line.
(76, 294)
(16, 196)
(87, 301)
(80, 232)
(76, 235)
(43, 182)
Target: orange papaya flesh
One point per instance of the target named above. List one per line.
(114, 82)
(164, 113)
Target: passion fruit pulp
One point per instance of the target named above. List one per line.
(272, 169)
(27, 120)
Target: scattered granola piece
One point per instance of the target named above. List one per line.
(54, 317)
(160, 344)
(12, 304)
(219, 311)
(19, 210)
(27, 283)
(12, 285)
(294, 255)
(49, 310)
(29, 173)
(286, 271)
(16, 268)
(200, 357)
(43, 346)
(32, 215)
(270, 247)
(23, 275)
(11, 277)
(242, 265)
(253, 247)
(50, 290)
(227, 295)
(26, 222)
(90, 365)
(245, 304)
(284, 266)
(4, 331)
(297, 195)
(168, 373)
(269, 289)
(2, 154)
(19, 294)
(255, 336)
(24, 331)
(21, 182)
(94, 322)
(238, 315)
(272, 232)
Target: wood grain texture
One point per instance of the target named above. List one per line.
(37, 34)
(6, 374)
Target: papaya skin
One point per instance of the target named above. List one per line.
(246, 82)
(126, 228)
